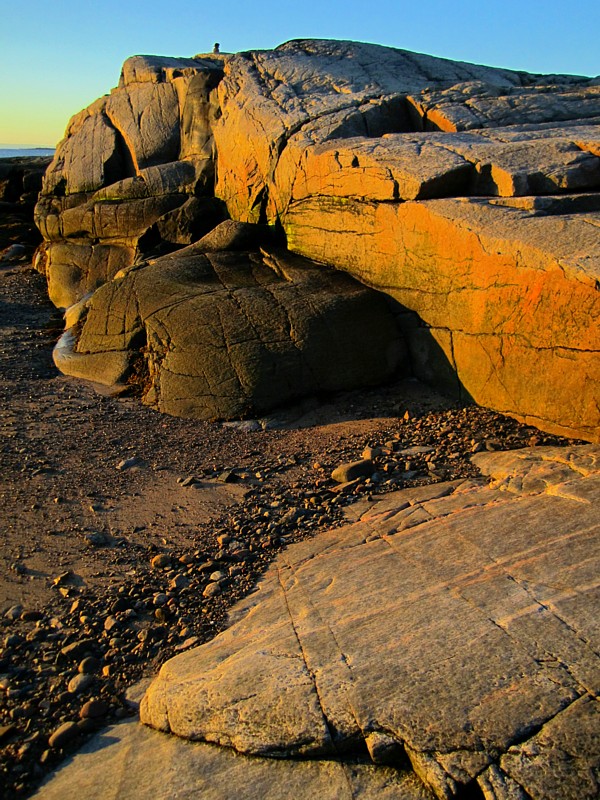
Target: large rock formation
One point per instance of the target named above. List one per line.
(469, 194)
(450, 634)
(456, 625)
(220, 334)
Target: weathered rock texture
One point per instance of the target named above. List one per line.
(220, 334)
(135, 169)
(469, 194)
(456, 625)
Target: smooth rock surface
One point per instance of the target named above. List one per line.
(456, 624)
(146, 765)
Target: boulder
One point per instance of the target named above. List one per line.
(469, 194)
(455, 624)
(213, 334)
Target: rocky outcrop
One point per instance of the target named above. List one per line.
(468, 194)
(135, 170)
(449, 636)
(455, 625)
(20, 183)
(219, 334)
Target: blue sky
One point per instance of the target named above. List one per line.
(57, 56)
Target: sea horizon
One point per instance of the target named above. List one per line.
(16, 151)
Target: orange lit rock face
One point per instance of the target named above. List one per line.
(467, 193)
(506, 295)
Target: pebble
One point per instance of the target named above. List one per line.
(372, 452)
(228, 476)
(79, 649)
(94, 708)
(88, 666)
(211, 590)
(127, 463)
(161, 561)
(63, 734)
(352, 470)
(97, 539)
(110, 622)
(14, 613)
(179, 582)
(217, 575)
(79, 683)
(160, 599)
(6, 731)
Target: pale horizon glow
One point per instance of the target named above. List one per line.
(57, 58)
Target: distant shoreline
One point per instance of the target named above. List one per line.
(26, 152)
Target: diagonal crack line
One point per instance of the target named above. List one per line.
(344, 660)
(308, 669)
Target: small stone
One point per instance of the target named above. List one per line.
(417, 450)
(88, 666)
(63, 734)
(110, 622)
(6, 731)
(128, 463)
(371, 452)
(228, 476)
(63, 578)
(29, 615)
(352, 470)
(217, 575)
(160, 599)
(79, 683)
(211, 590)
(189, 481)
(160, 561)
(492, 445)
(223, 539)
(179, 582)
(14, 612)
(77, 650)
(94, 709)
(97, 539)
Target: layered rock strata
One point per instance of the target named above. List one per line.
(469, 194)
(134, 170)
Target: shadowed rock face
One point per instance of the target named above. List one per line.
(454, 624)
(222, 334)
(467, 193)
